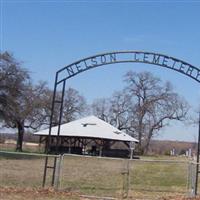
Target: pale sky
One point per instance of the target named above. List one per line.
(48, 35)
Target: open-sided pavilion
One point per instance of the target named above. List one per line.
(89, 135)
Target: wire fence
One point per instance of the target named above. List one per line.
(123, 178)
(100, 176)
(22, 169)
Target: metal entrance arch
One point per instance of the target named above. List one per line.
(98, 60)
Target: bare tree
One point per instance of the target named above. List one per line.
(27, 106)
(74, 105)
(154, 105)
(115, 111)
(119, 110)
(100, 108)
(22, 105)
(142, 108)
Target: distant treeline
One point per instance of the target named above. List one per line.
(28, 137)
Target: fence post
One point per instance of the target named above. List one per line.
(191, 179)
(126, 179)
(197, 164)
(58, 172)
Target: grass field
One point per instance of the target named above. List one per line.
(98, 177)
(104, 177)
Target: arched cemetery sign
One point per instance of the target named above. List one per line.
(128, 56)
(94, 61)
(105, 59)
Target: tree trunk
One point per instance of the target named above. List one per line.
(146, 147)
(20, 127)
(140, 136)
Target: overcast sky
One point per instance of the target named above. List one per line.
(48, 35)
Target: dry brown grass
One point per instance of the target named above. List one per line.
(94, 176)
(21, 172)
(10, 193)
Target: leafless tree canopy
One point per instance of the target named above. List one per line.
(24, 105)
(142, 108)
(21, 103)
(74, 105)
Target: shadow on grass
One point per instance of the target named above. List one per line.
(18, 156)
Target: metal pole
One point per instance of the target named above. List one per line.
(197, 166)
(48, 137)
(51, 117)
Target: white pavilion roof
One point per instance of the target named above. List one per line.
(91, 127)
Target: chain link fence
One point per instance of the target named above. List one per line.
(100, 176)
(123, 178)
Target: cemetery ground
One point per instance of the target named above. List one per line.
(30, 194)
(21, 178)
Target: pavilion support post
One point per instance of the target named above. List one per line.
(100, 151)
(131, 153)
(132, 147)
(40, 143)
(101, 144)
(69, 150)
